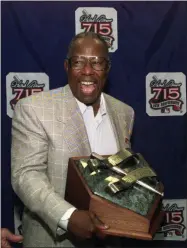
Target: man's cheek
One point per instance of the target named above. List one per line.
(78, 91)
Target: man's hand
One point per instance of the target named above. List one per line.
(7, 236)
(84, 223)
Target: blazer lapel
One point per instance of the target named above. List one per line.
(118, 122)
(74, 130)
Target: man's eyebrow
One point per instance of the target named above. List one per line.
(89, 56)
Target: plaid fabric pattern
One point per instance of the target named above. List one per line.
(48, 129)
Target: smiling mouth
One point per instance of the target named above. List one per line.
(87, 87)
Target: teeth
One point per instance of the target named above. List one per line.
(87, 83)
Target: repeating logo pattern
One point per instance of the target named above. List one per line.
(20, 85)
(99, 20)
(165, 94)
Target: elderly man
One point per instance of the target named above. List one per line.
(49, 128)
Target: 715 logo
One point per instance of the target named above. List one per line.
(21, 90)
(97, 27)
(166, 94)
(23, 84)
(173, 222)
(98, 24)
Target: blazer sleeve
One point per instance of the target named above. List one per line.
(29, 154)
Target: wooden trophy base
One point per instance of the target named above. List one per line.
(122, 221)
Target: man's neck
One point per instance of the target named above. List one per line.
(96, 106)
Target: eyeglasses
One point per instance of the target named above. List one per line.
(97, 63)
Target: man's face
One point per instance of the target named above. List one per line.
(85, 78)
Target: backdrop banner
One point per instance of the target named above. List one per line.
(148, 50)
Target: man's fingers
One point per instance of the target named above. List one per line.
(100, 227)
(13, 238)
(97, 222)
(5, 244)
(92, 228)
(100, 233)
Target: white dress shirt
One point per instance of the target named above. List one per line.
(101, 138)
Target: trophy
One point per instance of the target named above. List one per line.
(122, 190)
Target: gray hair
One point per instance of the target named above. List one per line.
(83, 35)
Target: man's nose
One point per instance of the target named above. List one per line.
(87, 70)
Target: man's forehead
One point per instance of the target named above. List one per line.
(88, 46)
(88, 40)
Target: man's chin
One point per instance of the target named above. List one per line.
(89, 101)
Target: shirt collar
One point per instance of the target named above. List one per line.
(102, 107)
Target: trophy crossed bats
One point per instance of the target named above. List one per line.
(121, 172)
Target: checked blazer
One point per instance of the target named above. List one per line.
(48, 129)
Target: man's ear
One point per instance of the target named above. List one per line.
(109, 66)
(66, 67)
